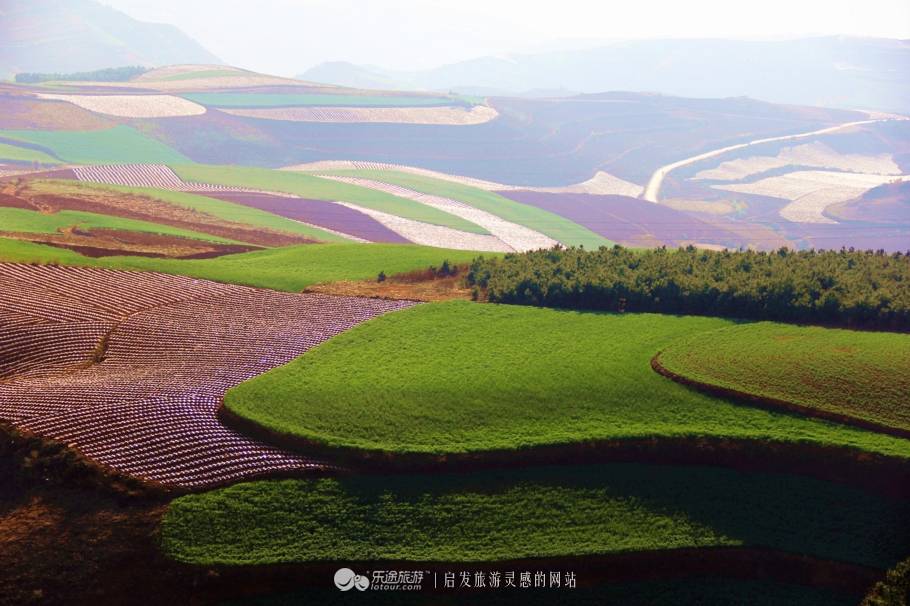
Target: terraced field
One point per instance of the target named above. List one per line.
(515, 237)
(227, 99)
(858, 377)
(32, 221)
(121, 144)
(441, 115)
(670, 459)
(129, 367)
(555, 227)
(174, 209)
(451, 378)
(359, 221)
(532, 513)
(309, 186)
(289, 269)
(25, 154)
(132, 106)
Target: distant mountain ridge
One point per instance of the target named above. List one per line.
(84, 35)
(834, 71)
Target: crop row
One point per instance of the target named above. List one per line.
(139, 392)
(158, 176)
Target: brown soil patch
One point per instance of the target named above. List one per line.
(418, 285)
(110, 242)
(53, 196)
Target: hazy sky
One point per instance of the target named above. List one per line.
(288, 36)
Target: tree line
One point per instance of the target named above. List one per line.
(857, 289)
(109, 74)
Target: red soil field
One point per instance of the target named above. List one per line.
(129, 367)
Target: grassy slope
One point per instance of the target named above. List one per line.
(461, 376)
(230, 211)
(24, 154)
(308, 186)
(859, 374)
(120, 145)
(291, 268)
(559, 228)
(32, 221)
(289, 100)
(538, 512)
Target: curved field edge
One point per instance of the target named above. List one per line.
(463, 380)
(16, 153)
(550, 224)
(289, 269)
(548, 512)
(672, 363)
(227, 211)
(119, 145)
(312, 187)
(25, 221)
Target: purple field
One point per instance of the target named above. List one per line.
(628, 221)
(316, 212)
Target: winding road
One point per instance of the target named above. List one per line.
(652, 191)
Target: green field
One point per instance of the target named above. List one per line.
(309, 186)
(290, 269)
(24, 154)
(559, 228)
(865, 375)
(230, 211)
(540, 512)
(32, 221)
(207, 73)
(289, 100)
(466, 377)
(118, 145)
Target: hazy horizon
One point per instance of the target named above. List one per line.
(287, 37)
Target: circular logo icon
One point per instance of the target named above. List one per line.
(345, 579)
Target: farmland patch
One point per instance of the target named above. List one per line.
(287, 100)
(811, 192)
(816, 155)
(854, 376)
(531, 513)
(551, 225)
(472, 378)
(443, 115)
(516, 237)
(132, 106)
(119, 144)
(170, 346)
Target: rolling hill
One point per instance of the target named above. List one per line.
(829, 71)
(83, 35)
